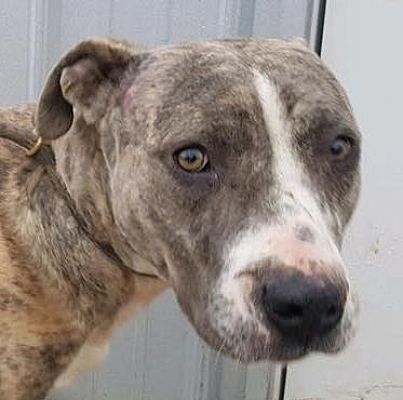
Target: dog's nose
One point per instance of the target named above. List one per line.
(302, 307)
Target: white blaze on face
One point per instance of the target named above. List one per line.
(290, 179)
(296, 204)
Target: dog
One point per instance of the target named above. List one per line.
(226, 170)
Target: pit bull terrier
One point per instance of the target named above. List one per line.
(225, 170)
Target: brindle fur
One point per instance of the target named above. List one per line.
(57, 287)
(77, 218)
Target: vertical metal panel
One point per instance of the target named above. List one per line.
(15, 55)
(157, 355)
(272, 16)
(363, 45)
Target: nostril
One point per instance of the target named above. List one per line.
(331, 311)
(333, 314)
(288, 311)
(281, 309)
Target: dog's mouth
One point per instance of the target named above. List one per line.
(247, 341)
(251, 347)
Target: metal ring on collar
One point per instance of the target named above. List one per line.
(35, 148)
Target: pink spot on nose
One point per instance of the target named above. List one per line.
(291, 251)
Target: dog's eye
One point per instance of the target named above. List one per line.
(192, 159)
(341, 147)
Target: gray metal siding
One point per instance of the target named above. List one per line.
(156, 356)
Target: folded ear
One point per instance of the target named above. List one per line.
(75, 81)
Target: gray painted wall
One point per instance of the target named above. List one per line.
(157, 356)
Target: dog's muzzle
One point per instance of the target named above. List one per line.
(290, 283)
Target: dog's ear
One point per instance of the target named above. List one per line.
(75, 82)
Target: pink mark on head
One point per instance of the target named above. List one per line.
(129, 98)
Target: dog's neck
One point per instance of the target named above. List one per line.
(47, 234)
(82, 166)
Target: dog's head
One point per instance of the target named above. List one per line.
(229, 169)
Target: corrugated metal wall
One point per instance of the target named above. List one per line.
(157, 356)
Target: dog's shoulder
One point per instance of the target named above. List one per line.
(18, 114)
(18, 119)
(16, 130)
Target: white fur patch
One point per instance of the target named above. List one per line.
(287, 168)
(296, 204)
(291, 180)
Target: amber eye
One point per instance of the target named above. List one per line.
(192, 159)
(341, 147)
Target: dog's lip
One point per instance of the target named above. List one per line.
(277, 354)
(253, 343)
(259, 349)
(286, 352)
(278, 349)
